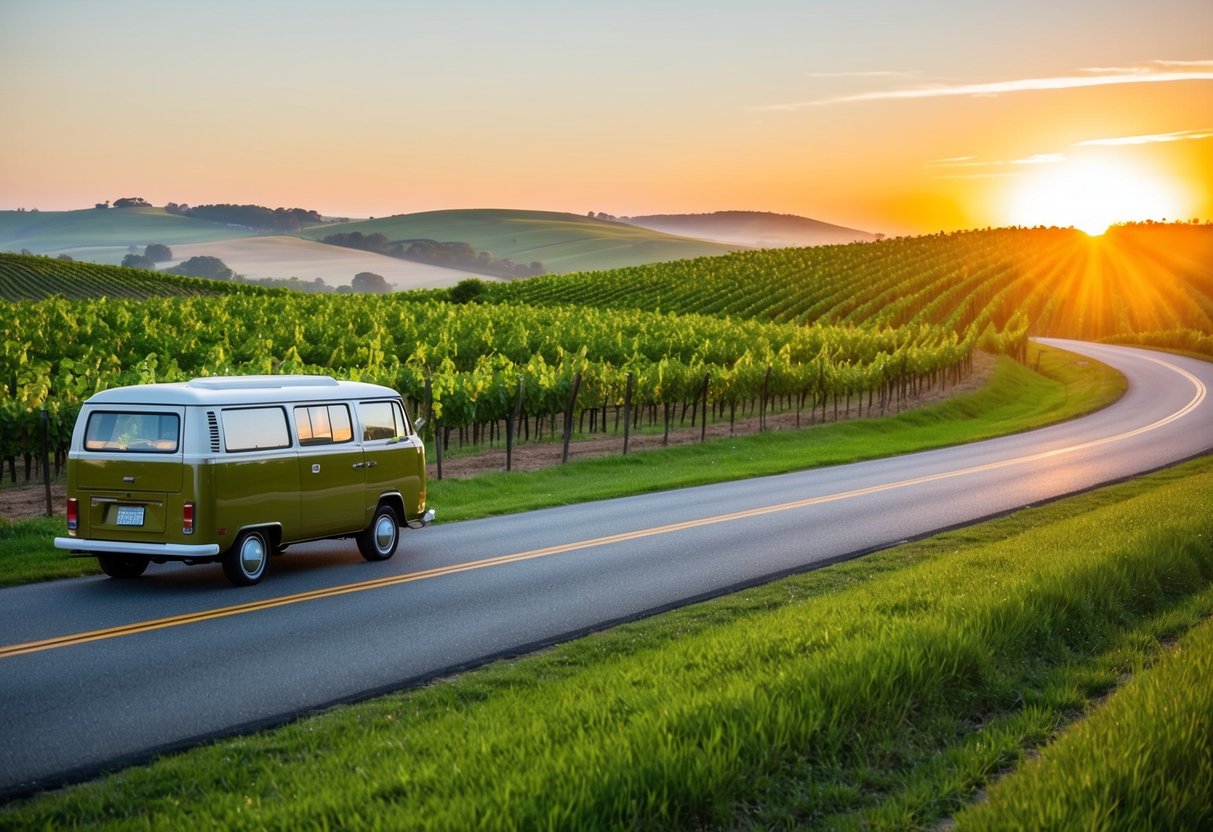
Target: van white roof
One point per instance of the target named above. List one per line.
(240, 390)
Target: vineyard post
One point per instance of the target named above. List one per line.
(703, 426)
(568, 417)
(429, 410)
(45, 419)
(762, 408)
(627, 413)
(511, 422)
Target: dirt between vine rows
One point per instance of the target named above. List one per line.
(22, 501)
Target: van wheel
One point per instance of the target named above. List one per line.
(378, 540)
(244, 563)
(122, 566)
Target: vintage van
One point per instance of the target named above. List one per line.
(234, 469)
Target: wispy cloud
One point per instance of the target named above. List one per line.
(971, 167)
(1040, 159)
(873, 73)
(1154, 72)
(1151, 138)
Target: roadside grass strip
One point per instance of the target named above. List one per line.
(1056, 386)
(879, 693)
(1142, 761)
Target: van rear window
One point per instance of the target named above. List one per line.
(132, 432)
(255, 429)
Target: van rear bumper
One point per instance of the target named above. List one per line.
(152, 550)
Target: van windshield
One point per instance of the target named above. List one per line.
(130, 432)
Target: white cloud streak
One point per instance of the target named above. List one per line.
(1155, 72)
(1152, 138)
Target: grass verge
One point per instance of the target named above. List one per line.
(1063, 386)
(1016, 399)
(879, 693)
(1143, 761)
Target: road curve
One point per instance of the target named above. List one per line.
(97, 673)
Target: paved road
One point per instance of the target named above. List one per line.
(96, 673)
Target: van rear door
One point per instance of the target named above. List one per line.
(128, 468)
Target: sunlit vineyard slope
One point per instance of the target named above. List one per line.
(1135, 279)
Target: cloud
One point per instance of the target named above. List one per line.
(875, 73)
(1154, 72)
(1040, 159)
(1152, 138)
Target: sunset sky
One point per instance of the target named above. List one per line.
(887, 116)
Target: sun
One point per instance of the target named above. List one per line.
(1092, 195)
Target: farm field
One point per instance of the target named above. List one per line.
(884, 692)
(562, 242)
(282, 256)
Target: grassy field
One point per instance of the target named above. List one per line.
(87, 232)
(1016, 399)
(562, 242)
(883, 693)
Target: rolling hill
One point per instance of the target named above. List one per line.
(284, 257)
(562, 242)
(105, 236)
(756, 229)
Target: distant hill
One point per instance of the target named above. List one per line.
(756, 229)
(561, 242)
(25, 277)
(285, 257)
(104, 235)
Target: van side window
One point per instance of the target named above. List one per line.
(137, 433)
(382, 420)
(255, 429)
(323, 424)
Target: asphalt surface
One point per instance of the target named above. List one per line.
(98, 673)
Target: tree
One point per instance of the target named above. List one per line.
(158, 253)
(370, 283)
(467, 290)
(211, 267)
(131, 202)
(138, 261)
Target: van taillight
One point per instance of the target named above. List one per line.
(187, 518)
(73, 515)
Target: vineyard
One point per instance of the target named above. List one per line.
(864, 324)
(23, 277)
(463, 365)
(1148, 278)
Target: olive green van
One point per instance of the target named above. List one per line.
(234, 469)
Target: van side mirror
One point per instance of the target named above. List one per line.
(418, 424)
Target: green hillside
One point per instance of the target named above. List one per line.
(35, 278)
(104, 235)
(562, 242)
(1135, 279)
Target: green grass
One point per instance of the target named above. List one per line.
(1143, 761)
(27, 553)
(562, 242)
(87, 231)
(880, 693)
(1017, 399)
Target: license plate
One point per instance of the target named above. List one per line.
(130, 515)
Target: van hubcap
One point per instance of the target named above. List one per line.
(252, 556)
(385, 533)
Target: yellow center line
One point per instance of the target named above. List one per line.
(622, 537)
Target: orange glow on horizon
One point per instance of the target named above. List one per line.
(1093, 195)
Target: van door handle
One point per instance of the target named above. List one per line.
(371, 464)
(359, 464)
